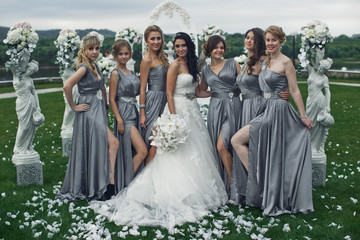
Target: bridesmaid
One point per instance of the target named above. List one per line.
(223, 119)
(124, 87)
(93, 155)
(153, 70)
(252, 99)
(278, 158)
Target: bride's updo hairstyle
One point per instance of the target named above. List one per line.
(279, 34)
(118, 45)
(211, 44)
(259, 50)
(160, 53)
(87, 42)
(191, 58)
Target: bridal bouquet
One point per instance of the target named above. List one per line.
(67, 43)
(130, 34)
(211, 30)
(20, 38)
(315, 35)
(106, 65)
(170, 130)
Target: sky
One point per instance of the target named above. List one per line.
(233, 16)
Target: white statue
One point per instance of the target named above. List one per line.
(318, 102)
(27, 109)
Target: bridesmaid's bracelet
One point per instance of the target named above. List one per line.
(304, 117)
(141, 105)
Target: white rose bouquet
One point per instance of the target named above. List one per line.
(315, 35)
(130, 34)
(20, 38)
(106, 65)
(67, 43)
(170, 130)
(211, 30)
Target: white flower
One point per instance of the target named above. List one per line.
(130, 34)
(211, 30)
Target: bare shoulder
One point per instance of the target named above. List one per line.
(146, 60)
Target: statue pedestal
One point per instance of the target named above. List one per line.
(28, 168)
(318, 169)
(66, 136)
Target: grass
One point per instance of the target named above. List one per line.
(30, 212)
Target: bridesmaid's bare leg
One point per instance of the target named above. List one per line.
(113, 145)
(240, 143)
(140, 148)
(226, 157)
(151, 154)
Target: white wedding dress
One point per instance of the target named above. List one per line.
(176, 187)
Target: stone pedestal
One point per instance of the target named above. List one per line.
(28, 168)
(318, 169)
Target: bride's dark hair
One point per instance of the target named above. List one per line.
(191, 58)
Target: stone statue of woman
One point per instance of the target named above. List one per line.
(318, 105)
(27, 109)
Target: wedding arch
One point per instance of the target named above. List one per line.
(176, 12)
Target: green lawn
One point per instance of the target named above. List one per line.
(30, 212)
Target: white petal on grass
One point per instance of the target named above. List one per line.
(354, 200)
(286, 227)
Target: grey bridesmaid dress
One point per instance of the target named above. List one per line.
(88, 171)
(224, 109)
(280, 171)
(155, 99)
(127, 89)
(252, 99)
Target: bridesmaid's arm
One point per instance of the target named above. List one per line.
(295, 92)
(144, 74)
(201, 90)
(172, 74)
(238, 67)
(69, 84)
(113, 83)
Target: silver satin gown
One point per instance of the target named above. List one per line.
(224, 113)
(280, 171)
(127, 89)
(155, 99)
(88, 171)
(252, 99)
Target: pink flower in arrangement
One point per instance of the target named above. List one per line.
(23, 25)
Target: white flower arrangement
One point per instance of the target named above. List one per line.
(130, 34)
(20, 38)
(106, 65)
(67, 43)
(170, 130)
(316, 35)
(211, 30)
(98, 35)
(241, 59)
(169, 8)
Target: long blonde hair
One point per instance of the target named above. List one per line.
(160, 53)
(278, 33)
(87, 42)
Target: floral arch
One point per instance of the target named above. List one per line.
(175, 11)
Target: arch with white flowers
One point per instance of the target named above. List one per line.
(166, 10)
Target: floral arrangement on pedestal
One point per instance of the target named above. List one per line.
(130, 34)
(316, 34)
(170, 130)
(211, 30)
(19, 38)
(106, 66)
(67, 43)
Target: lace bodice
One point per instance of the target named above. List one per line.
(184, 84)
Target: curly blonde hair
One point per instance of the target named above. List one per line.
(279, 34)
(160, 53)
(87, 42)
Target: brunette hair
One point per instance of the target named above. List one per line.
(211, 44)
(160, 53)
(118, 45)
(191, 58)
(87, 42)
(278, 33)
(259, 50)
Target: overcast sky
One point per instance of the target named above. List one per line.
(342, 16)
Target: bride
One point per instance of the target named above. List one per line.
(181, 186)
